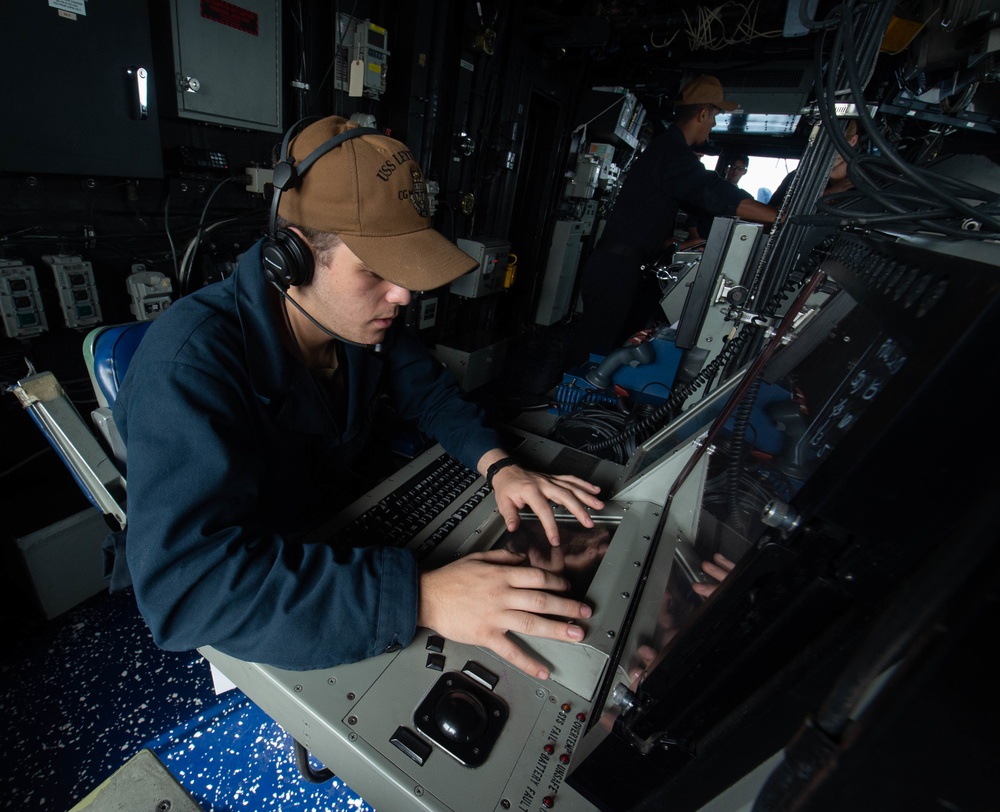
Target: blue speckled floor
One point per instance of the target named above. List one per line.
(91, 689)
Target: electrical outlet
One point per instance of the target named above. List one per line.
(258, 179)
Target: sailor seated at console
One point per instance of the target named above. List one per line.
(249, 403)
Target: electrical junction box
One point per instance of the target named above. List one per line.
(77, 290)
(583, 184)
(226, 63)
(605, 153)
(20, 300)
(488, 277)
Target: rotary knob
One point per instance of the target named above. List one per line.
(737, 296)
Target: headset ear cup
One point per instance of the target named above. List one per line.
(287, 259)
(275, 263)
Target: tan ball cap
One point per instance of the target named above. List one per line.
(371, 192)
(705, 90)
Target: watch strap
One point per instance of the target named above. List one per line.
(499, 465)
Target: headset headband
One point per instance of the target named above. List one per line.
(288, 176)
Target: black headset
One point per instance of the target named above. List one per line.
(286, 257)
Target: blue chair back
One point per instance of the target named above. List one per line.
(108, 351)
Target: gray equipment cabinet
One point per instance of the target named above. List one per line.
(226, 61)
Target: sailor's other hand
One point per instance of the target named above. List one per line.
(718, 568)
(516, 488)
(481, 597)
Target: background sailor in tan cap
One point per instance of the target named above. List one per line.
(247, 412)
(667, 176)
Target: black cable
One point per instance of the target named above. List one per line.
(600, 422)
(21, 463)
(734, 469)
(185, 274)
(301, 82)
(826, 99)
(170, 239)
(336, 52)
(839, 219)
(958, 186)
(811, 24)
(649, 424)
(846, 39)
(311, 775)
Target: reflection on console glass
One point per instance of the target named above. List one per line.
(579, 554)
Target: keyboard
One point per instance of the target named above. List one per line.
(430, 493)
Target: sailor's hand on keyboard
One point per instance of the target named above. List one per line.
(481, 597)
(516, 488)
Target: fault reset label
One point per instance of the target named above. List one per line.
(242, 19)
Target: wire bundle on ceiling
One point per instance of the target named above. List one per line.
(905, 194)
(708, 30)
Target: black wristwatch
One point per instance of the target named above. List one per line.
(499, 465)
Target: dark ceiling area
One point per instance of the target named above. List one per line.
(649, 46)
(766, 54)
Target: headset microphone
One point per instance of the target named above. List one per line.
(327, 330)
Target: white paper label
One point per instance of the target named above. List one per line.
(73, 6)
